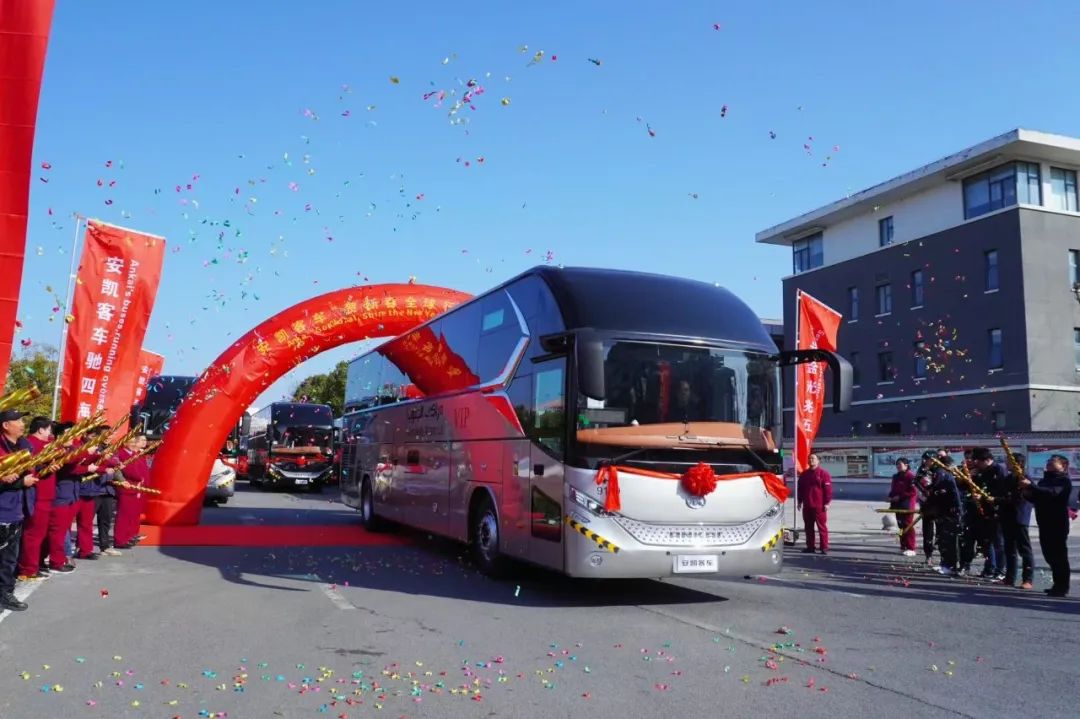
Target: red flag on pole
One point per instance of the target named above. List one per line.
(150, 365)
(115, 289)
(816, 328)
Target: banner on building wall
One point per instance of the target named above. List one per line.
(115, 289)
(150, 365)
(816, 328)
(851, 463)
(1037, 456)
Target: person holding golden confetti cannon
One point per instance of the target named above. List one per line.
(17, 501)
(97, 500)
(990, 477)
(1015, 518)
(69, 476)
(946, 506)
(135, 474)
(902, 494)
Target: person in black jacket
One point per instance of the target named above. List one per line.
(17, 501)
(1051, 499)
(924, 477)
(945, 505)
(990, 478)
(1015, 518)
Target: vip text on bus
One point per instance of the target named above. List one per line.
(599, 423)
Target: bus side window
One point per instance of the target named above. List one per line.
(549, 404)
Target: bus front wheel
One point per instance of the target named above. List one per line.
(484, 536)
(368, 518)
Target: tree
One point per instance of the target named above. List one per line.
(324, 388)
(36, 366)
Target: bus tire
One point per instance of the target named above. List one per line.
(368, 518)
(484, 538)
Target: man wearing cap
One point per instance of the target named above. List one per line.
(36, 526)
(16, 505)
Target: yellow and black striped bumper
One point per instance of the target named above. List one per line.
(600, 541)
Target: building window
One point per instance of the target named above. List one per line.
(885, 231)
(886, 372)
(1074, 268)
(853, 358)
(922, 425)
(919, 370)
(997, 420)
(1076, 347)
(916, 289)
(994, 358)
(884, 299)
(1063, 189)
(990, 262)
(853, 303)
(887, 428)
(1002, 187)
(808, 253)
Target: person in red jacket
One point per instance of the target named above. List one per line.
(815, 494)
(902, 495)
(66, 505)
(129, 501)
(36, 526)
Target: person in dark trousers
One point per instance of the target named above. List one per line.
(990, 477)
(815, 494)
(923, 479)
(948, 508)
(17, 502)
(902, 494)
(97, 499)
(1051, 499)
(1015, 518)
(36, 526)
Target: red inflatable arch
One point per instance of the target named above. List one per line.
(251, 364)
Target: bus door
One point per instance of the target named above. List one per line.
(425, 485)
(547, 454)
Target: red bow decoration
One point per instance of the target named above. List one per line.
(700, 480)
(607, 474)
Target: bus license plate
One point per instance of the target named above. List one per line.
(301, 481)
(691, 563)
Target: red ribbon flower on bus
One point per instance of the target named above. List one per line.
(700, 480)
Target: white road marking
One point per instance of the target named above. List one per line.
(337, 597)
(22, 591)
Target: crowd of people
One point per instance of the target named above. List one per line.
(977, 508)
(38, 508)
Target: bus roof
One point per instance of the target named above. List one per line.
(645, 302)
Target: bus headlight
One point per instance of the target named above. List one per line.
(583, 500)
(773, 511)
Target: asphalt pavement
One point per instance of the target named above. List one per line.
(414, 631)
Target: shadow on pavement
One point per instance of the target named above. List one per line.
(427, 566)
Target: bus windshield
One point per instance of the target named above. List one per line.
(667, 395)
(163, 396)
(303, 427)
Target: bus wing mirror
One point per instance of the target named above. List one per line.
(589, 353)
(839, 367)
(245, 423)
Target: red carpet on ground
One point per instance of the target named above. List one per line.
(289, 535)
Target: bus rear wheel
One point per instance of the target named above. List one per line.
(484, 538)
(368, 518)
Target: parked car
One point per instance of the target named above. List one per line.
(222, 484)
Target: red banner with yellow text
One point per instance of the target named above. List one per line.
(816, 328)
(150, 365)
(115, 289)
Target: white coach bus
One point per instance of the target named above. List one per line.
(560, 418)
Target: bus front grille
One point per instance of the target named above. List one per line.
(687, 535)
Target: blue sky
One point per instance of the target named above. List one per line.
(287, 115)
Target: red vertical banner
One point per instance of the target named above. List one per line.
(815, 328)
(115, 289)
(24, 37)
(150, 365)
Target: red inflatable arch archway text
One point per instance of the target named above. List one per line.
(259, 358)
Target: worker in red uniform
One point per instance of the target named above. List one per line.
(129, 499)
(66, 505)
(815, 494)
(902, 495)
(36, 526)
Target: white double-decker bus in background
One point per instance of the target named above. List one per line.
(508, 420)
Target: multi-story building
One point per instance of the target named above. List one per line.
(959, 283)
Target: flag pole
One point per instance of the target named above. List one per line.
(63, 322)
(795, 417)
